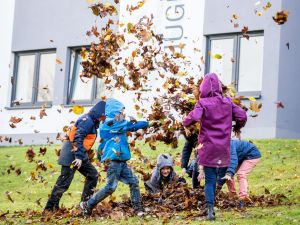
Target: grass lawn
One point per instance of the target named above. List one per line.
(278, 172)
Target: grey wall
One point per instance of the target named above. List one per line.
(217, 20)
(288, 121)
(65, 22)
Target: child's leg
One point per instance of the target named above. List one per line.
(210, 184)
(129, 178)
(221, 172)
(62, 184)
(195, 174)
(242, 173)
(112, 177)
(91, 179)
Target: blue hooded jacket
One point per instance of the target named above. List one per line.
(240, 151)
(114, 145)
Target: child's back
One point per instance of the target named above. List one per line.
(216, 114)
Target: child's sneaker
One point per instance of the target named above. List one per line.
(139, 211)
(244, 201)
(86, 210)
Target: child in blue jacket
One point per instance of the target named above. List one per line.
(244, 156)
(114, 152)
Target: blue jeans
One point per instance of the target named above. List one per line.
(212, 176)
(118, 171)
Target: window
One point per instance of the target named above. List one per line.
(237, 61)
(33, 80)
(82, 90)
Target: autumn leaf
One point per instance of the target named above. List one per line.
(30, 154)
(78, 109)
(255, 106)
(43, 113)
(18, 171)
(8, 196)
(15, 119)
(251, 98)
(12, 125)
(43, 150)
(217, 56)
(279, 105)
(57, 151)
(281, 17)
(245, 31)
(58, 61)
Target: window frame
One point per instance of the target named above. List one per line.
(34, 103)
(71, 84)
(236, 55)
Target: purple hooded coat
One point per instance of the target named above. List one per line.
(215, 113)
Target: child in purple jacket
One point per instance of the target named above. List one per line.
(215, 112)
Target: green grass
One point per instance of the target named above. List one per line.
(278, 171)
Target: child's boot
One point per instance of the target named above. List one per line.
(210, 212)
(86, 210)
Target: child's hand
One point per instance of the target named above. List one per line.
(187, 132)
(199, 146)
(77, 163)
(226, 177)
(201, 175)
(183, 172)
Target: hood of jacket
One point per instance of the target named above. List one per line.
(98, 110)
(164, 160)
(210, 86)
(112, 108)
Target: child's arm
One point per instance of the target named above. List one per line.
(136, 126)
(152, 184)
(233, 160)
(194, 116)
(239, 115)
(82, 130)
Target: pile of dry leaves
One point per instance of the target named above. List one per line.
(176, 200)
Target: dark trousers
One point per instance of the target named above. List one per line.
(65, 179)
(192, 171)
(212, 175)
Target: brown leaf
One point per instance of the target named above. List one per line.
(15, 119)
(43, 150)
(8, 196)
(43, 113)
(279, 105)
(12, 125)
(30, 154)
(58, 61)
(281, 17)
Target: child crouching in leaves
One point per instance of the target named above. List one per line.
(162, 175)
(114, 152)
(244, 156)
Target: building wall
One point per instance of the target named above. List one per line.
(65, 23)
(217, 21)
(36, 23)
(288, 122)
